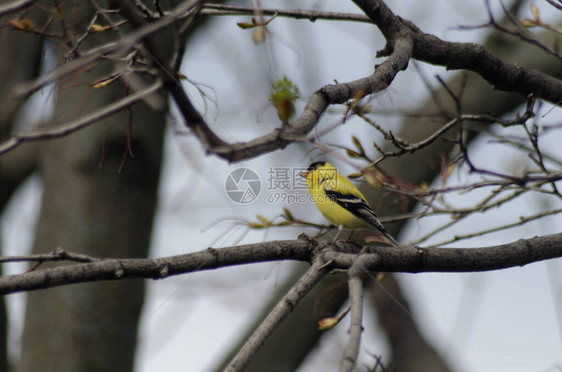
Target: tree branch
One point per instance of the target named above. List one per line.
(418, 259)
(83, 121)
(404, 41)
(317, 104)
(281, 311)
(15, 5)
(297, 130)
(408, 259)
(400, 35)
(311, 15)
(462, 56)
(355, 283)
(158, 268)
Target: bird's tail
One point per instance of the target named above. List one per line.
(389, 237)
(373, 220)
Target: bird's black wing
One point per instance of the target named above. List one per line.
(359, 207)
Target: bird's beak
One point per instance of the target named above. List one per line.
(304, 173)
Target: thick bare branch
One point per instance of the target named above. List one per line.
(462, 56)
(410, 259)
(113, 269)
(417, 259)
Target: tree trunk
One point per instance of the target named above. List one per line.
(90, 207)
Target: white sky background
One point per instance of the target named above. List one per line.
(504, 320)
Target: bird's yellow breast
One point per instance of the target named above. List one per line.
(333, 212)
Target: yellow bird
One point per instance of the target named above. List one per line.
(340, 201)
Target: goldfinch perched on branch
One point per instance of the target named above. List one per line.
(339, 200)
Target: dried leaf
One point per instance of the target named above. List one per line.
(528, 22)
(104, 82)
(373, 178)
(288, 214)
(258, 35)
(25, 24)
(98, 28)
(245, 26)
(353, 154)
(358, 144)
(262, 219)
(354, 175)
(327, 323)
(450, 169)
(535, 11)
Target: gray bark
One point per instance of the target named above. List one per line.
(89, 207)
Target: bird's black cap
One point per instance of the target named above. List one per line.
(315, 165)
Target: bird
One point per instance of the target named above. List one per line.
(339, 201)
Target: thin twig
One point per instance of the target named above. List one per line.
(557, 6)
(521, 32)
(518, 223)
(311, 15)
(75, 125)
(88, 58)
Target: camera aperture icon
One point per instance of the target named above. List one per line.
(242, 185)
